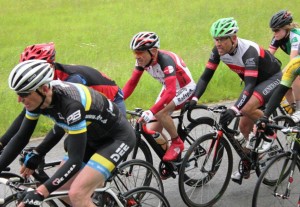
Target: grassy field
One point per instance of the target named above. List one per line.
(97, 33)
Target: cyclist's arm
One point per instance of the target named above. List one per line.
(17, 143)
(76, 78)
(132, 82)
(51, 139)
(210, 68)
(250, 59)
(12, 130)
(72, 165)
(293, 54)
(275, 99)
(273, 46)
(203, 82)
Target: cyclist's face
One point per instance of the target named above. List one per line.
(30, 101)
(223, 44)
(142, 57)
(279, 33)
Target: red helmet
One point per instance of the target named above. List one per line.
(44, 51)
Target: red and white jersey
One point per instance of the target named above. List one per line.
(170, 70)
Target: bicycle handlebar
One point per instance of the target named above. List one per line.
(215, 109)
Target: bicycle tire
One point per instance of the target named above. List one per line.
(201, 189)
(143, 152)
(280, 145)
(137, 173)
(263, 194)
(145, 196)
(12, 201)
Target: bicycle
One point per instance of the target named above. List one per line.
(285, 171)
(208, 163)
(130, 174)
(106, 196)
(187, 133)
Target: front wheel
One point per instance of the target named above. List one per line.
(205, 171)
(137, 173)
(145, 196)
(278, 169)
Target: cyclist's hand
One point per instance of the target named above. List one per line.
(31, 199)
(32, 160)
(262, 123)
(227, 117)
(147, 116)
(192, 104)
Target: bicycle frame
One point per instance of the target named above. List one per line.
(56, 194)
(141, 129)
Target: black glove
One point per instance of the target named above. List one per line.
(32, 160)
(31, 198)
(227, 117)
(192, 104)
(261, 124)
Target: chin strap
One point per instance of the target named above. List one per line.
(150, 60)
(43, 98)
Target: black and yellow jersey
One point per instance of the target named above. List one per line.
(75, 106)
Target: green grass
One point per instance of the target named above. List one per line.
(97, 33)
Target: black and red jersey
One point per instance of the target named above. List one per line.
(89, 77)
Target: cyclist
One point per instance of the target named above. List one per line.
(291, 72)
(98, 135)
(287, 37)
(178, 85)
(257, 67)
(71, 73)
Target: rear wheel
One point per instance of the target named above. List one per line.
(137, 173)
(145, 196)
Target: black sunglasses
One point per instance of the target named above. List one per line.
(275, 30)
(24, 94)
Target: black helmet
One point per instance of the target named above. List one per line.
(281, 19)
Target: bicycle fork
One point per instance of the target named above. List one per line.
(286, 195)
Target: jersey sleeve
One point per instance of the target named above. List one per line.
(17, 143)
(132, 82)
(208, 73)
(250, 59)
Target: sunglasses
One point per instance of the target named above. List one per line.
(275, 30)
(221, 39)
(24, 94)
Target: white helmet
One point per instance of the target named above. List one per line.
(29, 75)
(144, 41)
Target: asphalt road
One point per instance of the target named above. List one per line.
(235, 196)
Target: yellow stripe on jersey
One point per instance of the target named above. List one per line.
(77, 131)
(103, 161)
(88, 97)
(31, 117)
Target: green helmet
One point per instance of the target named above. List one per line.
(224, 27)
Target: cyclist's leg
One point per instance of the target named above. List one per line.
(110, 150)
(251, 112)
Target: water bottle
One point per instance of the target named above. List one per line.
(241, 139)
(160, 140)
